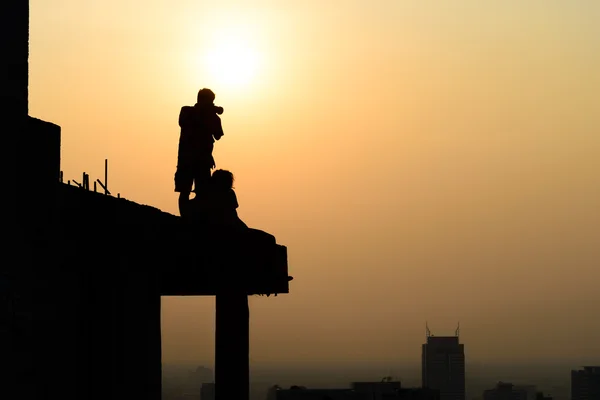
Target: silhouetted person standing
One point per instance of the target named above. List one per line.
(200, 127)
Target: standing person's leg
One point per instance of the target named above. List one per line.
(184, 198)
(183, 184)
(201, 178)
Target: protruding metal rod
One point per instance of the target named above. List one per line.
(86, 181)
(103, 187)
(106, 176)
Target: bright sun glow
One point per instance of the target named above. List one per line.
(233, 63)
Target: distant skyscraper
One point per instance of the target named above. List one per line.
(585, 384)
(443, 366)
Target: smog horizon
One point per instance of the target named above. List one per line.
(421, 163)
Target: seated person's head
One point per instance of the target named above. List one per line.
(222, 180)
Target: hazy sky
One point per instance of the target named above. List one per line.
(422, 160)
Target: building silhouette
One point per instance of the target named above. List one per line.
(541, 396)
(392, 390)
(418, 394)
(80, 297)
(377, 390)
(207, 391)
(506, 391)
(531, 392)
(585, 383)
(303, 393)
(443, 365)
(202, 375)
(384, 390)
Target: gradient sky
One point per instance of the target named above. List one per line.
(422, 160)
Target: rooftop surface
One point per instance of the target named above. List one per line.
(189, 260)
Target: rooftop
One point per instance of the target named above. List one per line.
(190, 261)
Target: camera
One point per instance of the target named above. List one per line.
(218, 109)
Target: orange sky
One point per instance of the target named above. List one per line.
(421, 160)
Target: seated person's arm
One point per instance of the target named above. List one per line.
(232, 199)
(234, 206)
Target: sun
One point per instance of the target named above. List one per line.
(233, 63)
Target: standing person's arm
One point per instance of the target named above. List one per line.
(218, 128)
(184, 116)
(184, 137)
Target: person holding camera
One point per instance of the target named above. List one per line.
(200, 127)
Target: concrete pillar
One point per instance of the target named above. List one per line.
(136, 346)
(119, 335)
(232, 362)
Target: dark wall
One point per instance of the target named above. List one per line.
(15, 54)
(107, 244)
(80, 287)
(39, 154)
(119, 349)
(29, 252)
(84, 325)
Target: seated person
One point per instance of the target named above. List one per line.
(216, 209)
(221, 202)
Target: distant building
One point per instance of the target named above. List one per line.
(506, 391)
(585, 384)
(377, 390)
(443, 366)
(418, 394)
(207, 391)
(390, 390)
(359, 391)
(530, 391)
(202, 375)
(541, 396)
(195, 381)
(302, 393)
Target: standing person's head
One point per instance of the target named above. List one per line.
(206, 97)
(222, 180)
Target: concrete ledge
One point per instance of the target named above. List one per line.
(187, 260)
(39, 154)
